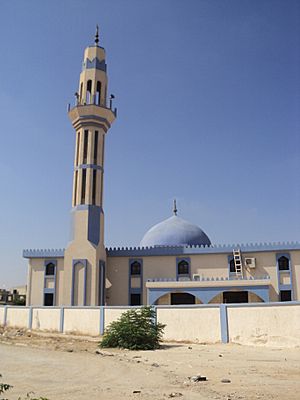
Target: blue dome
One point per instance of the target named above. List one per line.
(175, 231)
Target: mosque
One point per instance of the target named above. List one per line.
(175, 263)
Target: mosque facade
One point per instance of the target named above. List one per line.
(175, 263)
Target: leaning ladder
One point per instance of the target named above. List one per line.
(238, 263)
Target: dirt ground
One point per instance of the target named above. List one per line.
(63, 367)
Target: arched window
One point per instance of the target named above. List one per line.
(283, 263)
(98, 93)
(183, 267)
(89, 92)
(50, 269)
(135, 268)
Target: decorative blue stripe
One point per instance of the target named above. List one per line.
(5, 316)
(84, 166)
(30, 318)
(190, 250)
(286, 271)
(166, 250)
(82, 207)
(102, 288)
(102, 322)
(138, 290)
(62, 319)
(94, 64)
(206, 294)
(224, 323)
(46, 290)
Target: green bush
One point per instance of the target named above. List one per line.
(134, 330)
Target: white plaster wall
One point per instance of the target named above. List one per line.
(46, 319)
(201, 325)
(82, 320)
(277, 326)
(17, 317)
(1, 315)
(112, 314)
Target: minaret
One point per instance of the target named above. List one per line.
(85, 256)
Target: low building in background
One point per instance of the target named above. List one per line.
(13, 296)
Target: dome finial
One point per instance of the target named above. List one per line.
(97, 35)
(174, 207)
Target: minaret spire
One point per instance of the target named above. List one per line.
(174, 207)
(97, 35)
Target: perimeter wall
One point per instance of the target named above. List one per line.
(270, 324)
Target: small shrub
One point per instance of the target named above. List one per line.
(134, 330)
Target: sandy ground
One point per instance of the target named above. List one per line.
(70, 367)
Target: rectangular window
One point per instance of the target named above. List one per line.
(96, 148)
(285, 295)
(83, 184)
(135, 299)
(75, 188)
(235, 297)
(48, 299)
(85, 146)
(77, 148)
(94, 186)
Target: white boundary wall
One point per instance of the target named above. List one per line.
(268, 324)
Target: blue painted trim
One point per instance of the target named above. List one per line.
(135, 290)
(30, 318)
(43, 253)
(5, 316)
(62, 319)
(102, 280)
(102, 321)
(286, 271)
(85, 166)
(84, 207)
(95, 63)
(213, 249)
(224, 323)
(82, 261)
(47, 290)
(206, 294)
(178, 260)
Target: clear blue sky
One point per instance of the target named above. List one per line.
(208, 99)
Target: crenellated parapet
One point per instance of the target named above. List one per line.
(196, 249)
(43, 253)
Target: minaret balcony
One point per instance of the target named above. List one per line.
(92, 114)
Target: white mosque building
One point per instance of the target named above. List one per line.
(175, 263)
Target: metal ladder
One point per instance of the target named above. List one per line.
(238, 263)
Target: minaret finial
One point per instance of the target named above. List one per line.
(174, 207)
(97, 35)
